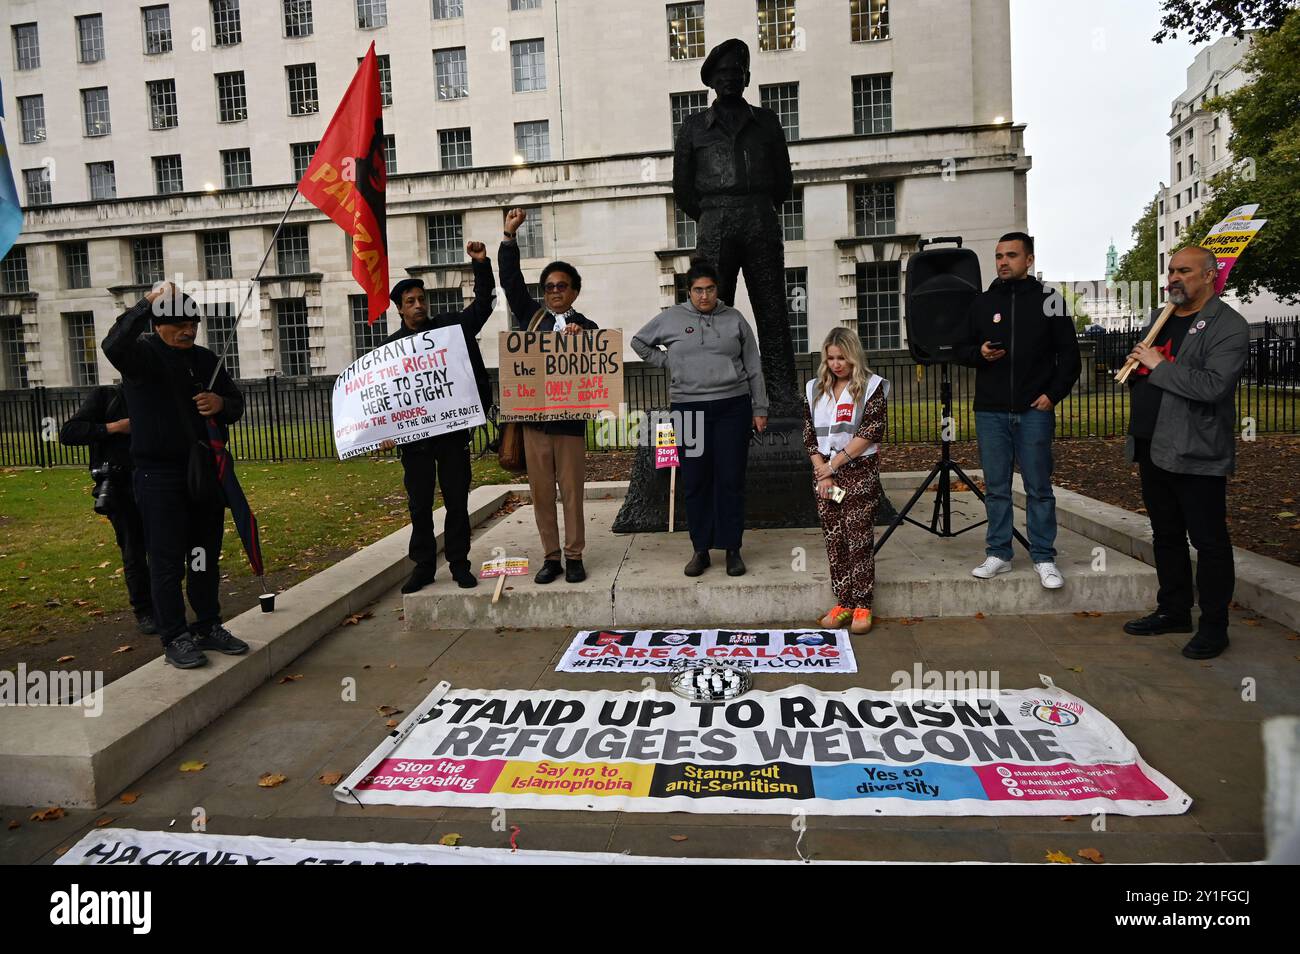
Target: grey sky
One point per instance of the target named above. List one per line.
(1093, 92)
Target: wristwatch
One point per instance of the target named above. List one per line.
(509, 235)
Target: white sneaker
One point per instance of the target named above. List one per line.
(991, 567)
(1049, 575)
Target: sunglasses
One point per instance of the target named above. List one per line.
(556, 286)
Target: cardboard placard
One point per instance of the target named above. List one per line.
(549, 376)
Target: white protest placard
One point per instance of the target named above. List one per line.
(415, 387)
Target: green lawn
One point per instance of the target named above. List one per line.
(55, 550)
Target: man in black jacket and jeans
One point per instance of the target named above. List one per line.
(555, 451)
(102, 424)
(444, 458)
(165, 376)
(1022, 344)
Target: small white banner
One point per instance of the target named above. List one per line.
(761, 650)
(415, 387)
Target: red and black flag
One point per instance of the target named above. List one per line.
(347, 177)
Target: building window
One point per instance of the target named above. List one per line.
(1178, 144)
(517, 5)
(217, 261)
(366, 337)
(76, 265)
(684, 104)
(167, 175)
(1162, 263)
(448, 9)
(31, 114)
(82, 348)
(103, 180)
(90, 38)
(303, 100)
(390, 155)
(13, 353)
(147, 260)
(528, 65)
(1162, 206)
(873, 103)
(529, 235)
(455, 148)
(451, 73)
(533, 141)
(796, 303)
(302, 153)
(441, 301)
(297, 18)
(292, 254)
(162, 104)
(685, 31)
(1178, 173)
(878, 307)
(372, 14)
(157, 29)
(236, 168)
(869, 20)
(685, 229)
(225, 23)
(27, 46)
(36, 183)
(94, 111)
(1196, 190)
(792, 216)
(222, 330)
(1162, 233)
(1178, 200)
(873, 208)
(775, 25)
(446, 237)
(783, 99)
(385, 67)
(232, 97)
(291, 328)
(681, 290)
(13, 271)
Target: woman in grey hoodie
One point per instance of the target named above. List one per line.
(712, 355)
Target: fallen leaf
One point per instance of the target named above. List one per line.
(129, 798)
(1092, 854)
(271, 780)
(1059, 858)
(1067, 818)
(678, 837)
(979, 615)
(63, 659)
(53, 813)
(1087, 614)
(1076, 669)
(387, 710)
(330, 778)
(15, 824)
(121, 649)
(193, 765)
(102, 565)
(451, 839)
(106, 820)
(391, 723)
(1251, 622)
(356, 618)
(284, 679)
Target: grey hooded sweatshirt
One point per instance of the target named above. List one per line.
(710, 356)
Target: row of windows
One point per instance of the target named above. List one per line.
(775, 21)
(878, 314)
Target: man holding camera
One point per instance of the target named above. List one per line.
(1023, 347)
(102, 424)
(165, 377)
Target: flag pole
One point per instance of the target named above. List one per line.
(234, 335)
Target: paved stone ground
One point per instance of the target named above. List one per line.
(1188, 719)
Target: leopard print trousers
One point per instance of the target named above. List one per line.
(849, 528)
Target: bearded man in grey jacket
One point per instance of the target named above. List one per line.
(712, 355)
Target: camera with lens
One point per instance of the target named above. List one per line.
(105, 477)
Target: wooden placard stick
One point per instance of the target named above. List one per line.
(672, 497)
(501, 585)
(1123, 374)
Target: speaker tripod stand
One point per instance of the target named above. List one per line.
(941, 519)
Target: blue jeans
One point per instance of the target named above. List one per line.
(1025, 439)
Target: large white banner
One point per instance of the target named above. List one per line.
(761, 650)
(119, 846)
(857, 752)
(413, 388)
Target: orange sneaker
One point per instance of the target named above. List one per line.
(861, 622)
(836, 618)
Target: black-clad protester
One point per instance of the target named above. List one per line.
(102, 424)
(443, 458)
(165, 377)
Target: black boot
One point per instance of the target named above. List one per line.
(1157, 623)
(146, 624)
(420, 577)
(735, 565)
(465, 579)
(699, 563)
(1208, 642)
(574, 571)
(551, 570)
(183, 654)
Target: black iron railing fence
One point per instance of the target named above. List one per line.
(289, 418)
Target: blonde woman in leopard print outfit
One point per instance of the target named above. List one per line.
(844, 422)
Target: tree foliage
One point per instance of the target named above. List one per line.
(1202, 20)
